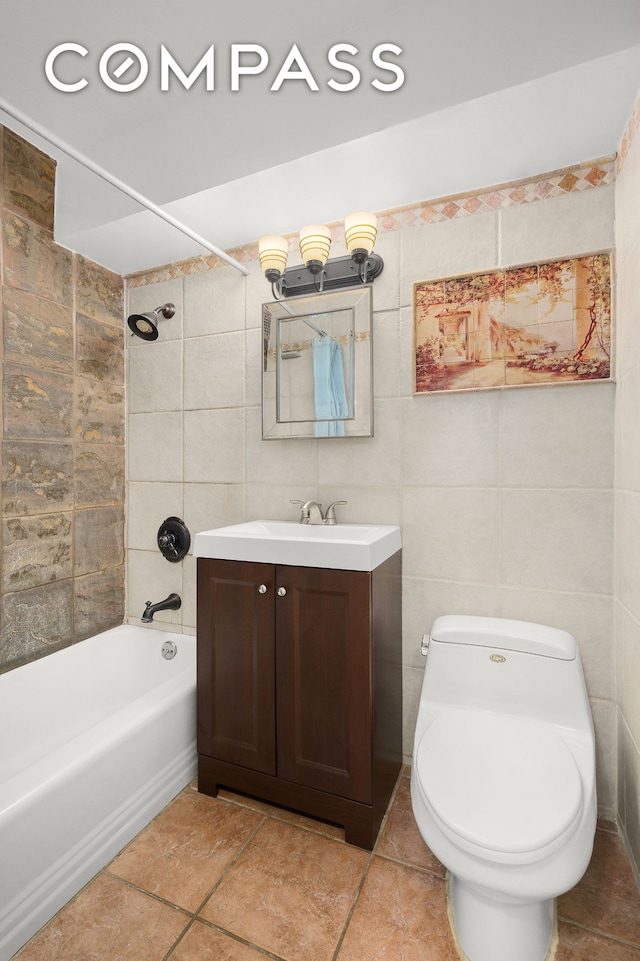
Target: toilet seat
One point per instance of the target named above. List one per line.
(504, 788)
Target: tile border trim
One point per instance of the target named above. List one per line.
(575, 179)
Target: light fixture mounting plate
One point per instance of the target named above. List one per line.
(340, 272)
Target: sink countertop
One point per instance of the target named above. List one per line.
(355, 547)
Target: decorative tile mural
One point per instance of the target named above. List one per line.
(545, 323)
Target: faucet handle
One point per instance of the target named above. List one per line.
(304, 510)
(330, 514)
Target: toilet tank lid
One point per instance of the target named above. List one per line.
(505, 634)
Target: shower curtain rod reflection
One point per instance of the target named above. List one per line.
(120, 185)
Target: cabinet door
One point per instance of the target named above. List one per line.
(323, 680)
(236, 670)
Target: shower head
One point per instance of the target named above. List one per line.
(145, 325)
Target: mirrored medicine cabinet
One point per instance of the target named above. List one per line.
(317, 366)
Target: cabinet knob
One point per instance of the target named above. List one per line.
(262, 589)
(282, 591)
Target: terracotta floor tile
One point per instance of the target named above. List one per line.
(401, 914)
(400, 838)
(108, 921)
(202, 943)
(607, 898)
(576, 944)
(184, 851)
(290, 892)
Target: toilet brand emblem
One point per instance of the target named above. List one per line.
(497, 658)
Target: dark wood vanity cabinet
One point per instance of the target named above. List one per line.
(300, 689)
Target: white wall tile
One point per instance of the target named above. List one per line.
(588, 617)
(214, 302)
(154, 447)
(447, 249)
(451, 440)
(266, 501)
(627, 220)
(423, 600)
(278, 461)
(604, 722)
(386, 287)
(214, 446)
(253, 367)
(212, 505)
(627, 310)
(155, 377)
(630, 791)
(365, 505)
(451, 534)
(189, 592)
(577, 223)
(627, 569)
(214, 371)
(628, 669)
(257, 293)
(148, 505)
(392, 339)
(557, 436)
(152, 578)
(372, 460)
(560, 540)
(627, 446)
(411, 688)
(627, 504)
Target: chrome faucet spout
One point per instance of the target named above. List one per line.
(171, 603)
(311, 512)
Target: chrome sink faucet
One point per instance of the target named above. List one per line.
(311, 512)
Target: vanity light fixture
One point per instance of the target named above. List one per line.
(318, 273)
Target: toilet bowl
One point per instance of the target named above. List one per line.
(503, 778)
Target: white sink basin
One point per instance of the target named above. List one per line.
(352, 547)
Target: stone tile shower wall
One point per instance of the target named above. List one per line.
(62, 500)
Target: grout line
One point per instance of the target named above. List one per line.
(179, 939)
(236, 937)
(136, 887)
(229, 866)
(354, 902)
(600, 933)
(367, 868)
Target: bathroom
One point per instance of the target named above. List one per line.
(515, 503)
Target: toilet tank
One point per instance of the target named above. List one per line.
(507, 666)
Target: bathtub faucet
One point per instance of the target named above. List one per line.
(170, 603)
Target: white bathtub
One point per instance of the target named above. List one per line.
(95, 740)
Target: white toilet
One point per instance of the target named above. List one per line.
(503, 778)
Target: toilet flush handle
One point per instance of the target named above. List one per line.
(424, 647)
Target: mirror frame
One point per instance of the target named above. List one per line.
(356, 302)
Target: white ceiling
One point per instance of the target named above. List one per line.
(493, 91)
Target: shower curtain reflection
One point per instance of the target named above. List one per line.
(330, 393)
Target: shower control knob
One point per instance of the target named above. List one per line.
(174, 539)
(282, 591)
(262, 589)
